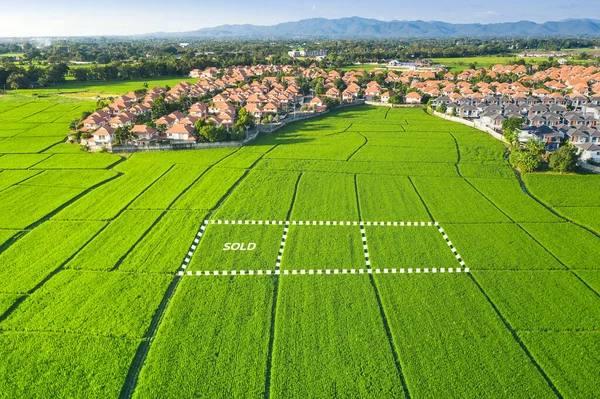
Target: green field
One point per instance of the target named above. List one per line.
(369, 253)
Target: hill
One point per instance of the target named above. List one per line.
(356, 27)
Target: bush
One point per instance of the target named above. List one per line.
(564, 159)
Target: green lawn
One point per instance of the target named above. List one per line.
(103, 285)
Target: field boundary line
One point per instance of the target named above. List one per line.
(312, 272)
(137, 364)
(382, 314)
(516, 337)
(322, 223)
(269, 364)
(452, 248)
(360, 147)
(49, 215)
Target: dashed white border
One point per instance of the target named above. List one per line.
(451, 246)
(282, 246)
(287, 223)
(322, 223)
(363, 235)
(188, 257)
(322, 271)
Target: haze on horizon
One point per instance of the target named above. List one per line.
(26, 18)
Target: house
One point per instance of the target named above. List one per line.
(180, 132)
(589, 151)
(144, 133)
(103, 137)
(413, 98)
(317, 102)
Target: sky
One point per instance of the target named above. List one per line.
(110, 17)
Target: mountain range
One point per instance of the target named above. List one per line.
(356, 27)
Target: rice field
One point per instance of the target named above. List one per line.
(368, 253)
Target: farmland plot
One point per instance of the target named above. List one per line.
(165, 246)
(389, 198)
(325, 196)
(48, 130)
(20, 161)
(571, 360)
(560, 190)
(37, 254)
(10, 177)
(15, 129)
(257, 247)
(76, 178)
(79, 161)
(454, 201)
(408, 247)
(6, 301)
(194, 157)
(323, 247)
(20, 113)
(354, 167)
(491, 170)
(41, 365)
(542, 300)
(405, 154)
(114, 242)
(245, 157)
(21, 205)
(333, 152)
(206, 193)
(450, 341)
(330, 341)
(107, 201)
(510, 198)
(585, 216)
(97, 303)
(213, 341)
(262, 195)
(169, 187)
(499, 246)
(575, 247)
(27, 145)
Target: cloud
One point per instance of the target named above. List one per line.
(487, 14)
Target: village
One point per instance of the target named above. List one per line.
(556, 105)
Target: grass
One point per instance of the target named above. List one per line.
(330, 341)
(74, 326)
(113, 243)
(22, 205)
(322, 196)
(230, 353)
(499, 246)
(570, 359)
(212, 253)
(37, 365)
(450, 341)
(165, 246)
(323, 247)
(107, 304)
(535, 301)
(42, 251)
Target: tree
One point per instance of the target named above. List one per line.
(523, 160)
(535, 147)
(397, 99)
(442, 108)
(564, 159)
(17, 81)
(511, 127)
